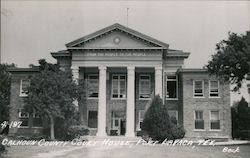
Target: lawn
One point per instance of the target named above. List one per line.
(126, 152)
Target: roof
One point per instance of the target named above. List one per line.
(192, 70)
(119, 27)
(33, 69)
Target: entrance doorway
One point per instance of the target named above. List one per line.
(118, 124)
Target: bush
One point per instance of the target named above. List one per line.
(2, 147)
(157, 123)
(76, 131)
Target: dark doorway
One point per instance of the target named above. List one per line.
(123, 127)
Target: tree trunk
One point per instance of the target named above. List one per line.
(52, 135)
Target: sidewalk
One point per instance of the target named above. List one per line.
(233, 142)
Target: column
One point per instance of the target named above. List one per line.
(130, 114)
(158, 81)
(75, 73)
(101, 126)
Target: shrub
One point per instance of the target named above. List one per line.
(76, 131)
(157, 123)
(2, 147)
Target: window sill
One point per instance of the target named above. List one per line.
(92, 128)
(215, 130)
(214, 97)
(22, 95)
(171, 99)
(118, 98)
(144, 98)
(198, 97)
(199, 130)
(92, 98)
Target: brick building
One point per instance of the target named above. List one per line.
(124, 69)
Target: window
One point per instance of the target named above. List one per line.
(214, 120)
(199, 122)
(198, 88)
(25, 83)
(214, 89)
(141, 117)
(119, 86)
(144, 86)
(171, 91)
(92, 119)
(37, 121)
(23, 117)
(93, 86)
(173, 115)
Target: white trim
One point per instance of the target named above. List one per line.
(22, 94)
(149, 86)
(118, 88)
(210, 89)
(97, 88)
(203, 96)
(166, 88)
(210, 120)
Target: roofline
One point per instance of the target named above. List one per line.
(177, 54)
(121, 27)
(192, 70)
(60, 54)
(118, 48)
(33, 69)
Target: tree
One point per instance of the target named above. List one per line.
(240, 119)
(4, 91)
(232, 60)
(52, 93)
(157, 122)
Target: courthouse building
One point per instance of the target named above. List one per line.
(124, 69)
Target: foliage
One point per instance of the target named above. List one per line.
(232, 60)
(157, 123)
(240, 120)
(52, 93)
(76, 131)
(4, 91)
(2, 147)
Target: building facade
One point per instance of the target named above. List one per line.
(124, 69)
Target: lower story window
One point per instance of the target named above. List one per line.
(199, 121)
(92, 119)
(214, 120)
(23, 117)
(173, 115)
(37, 121)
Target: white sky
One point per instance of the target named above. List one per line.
(30, 30)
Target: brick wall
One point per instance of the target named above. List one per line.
(190, 104)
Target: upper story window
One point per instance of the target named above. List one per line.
(93, 86)
(173, 115)
(198, 88)
(24, 85)
(199, 121)
(144, 86)
(171, 85)
(23, 117)
(214, 120)
(214, 88)
(119, 86)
